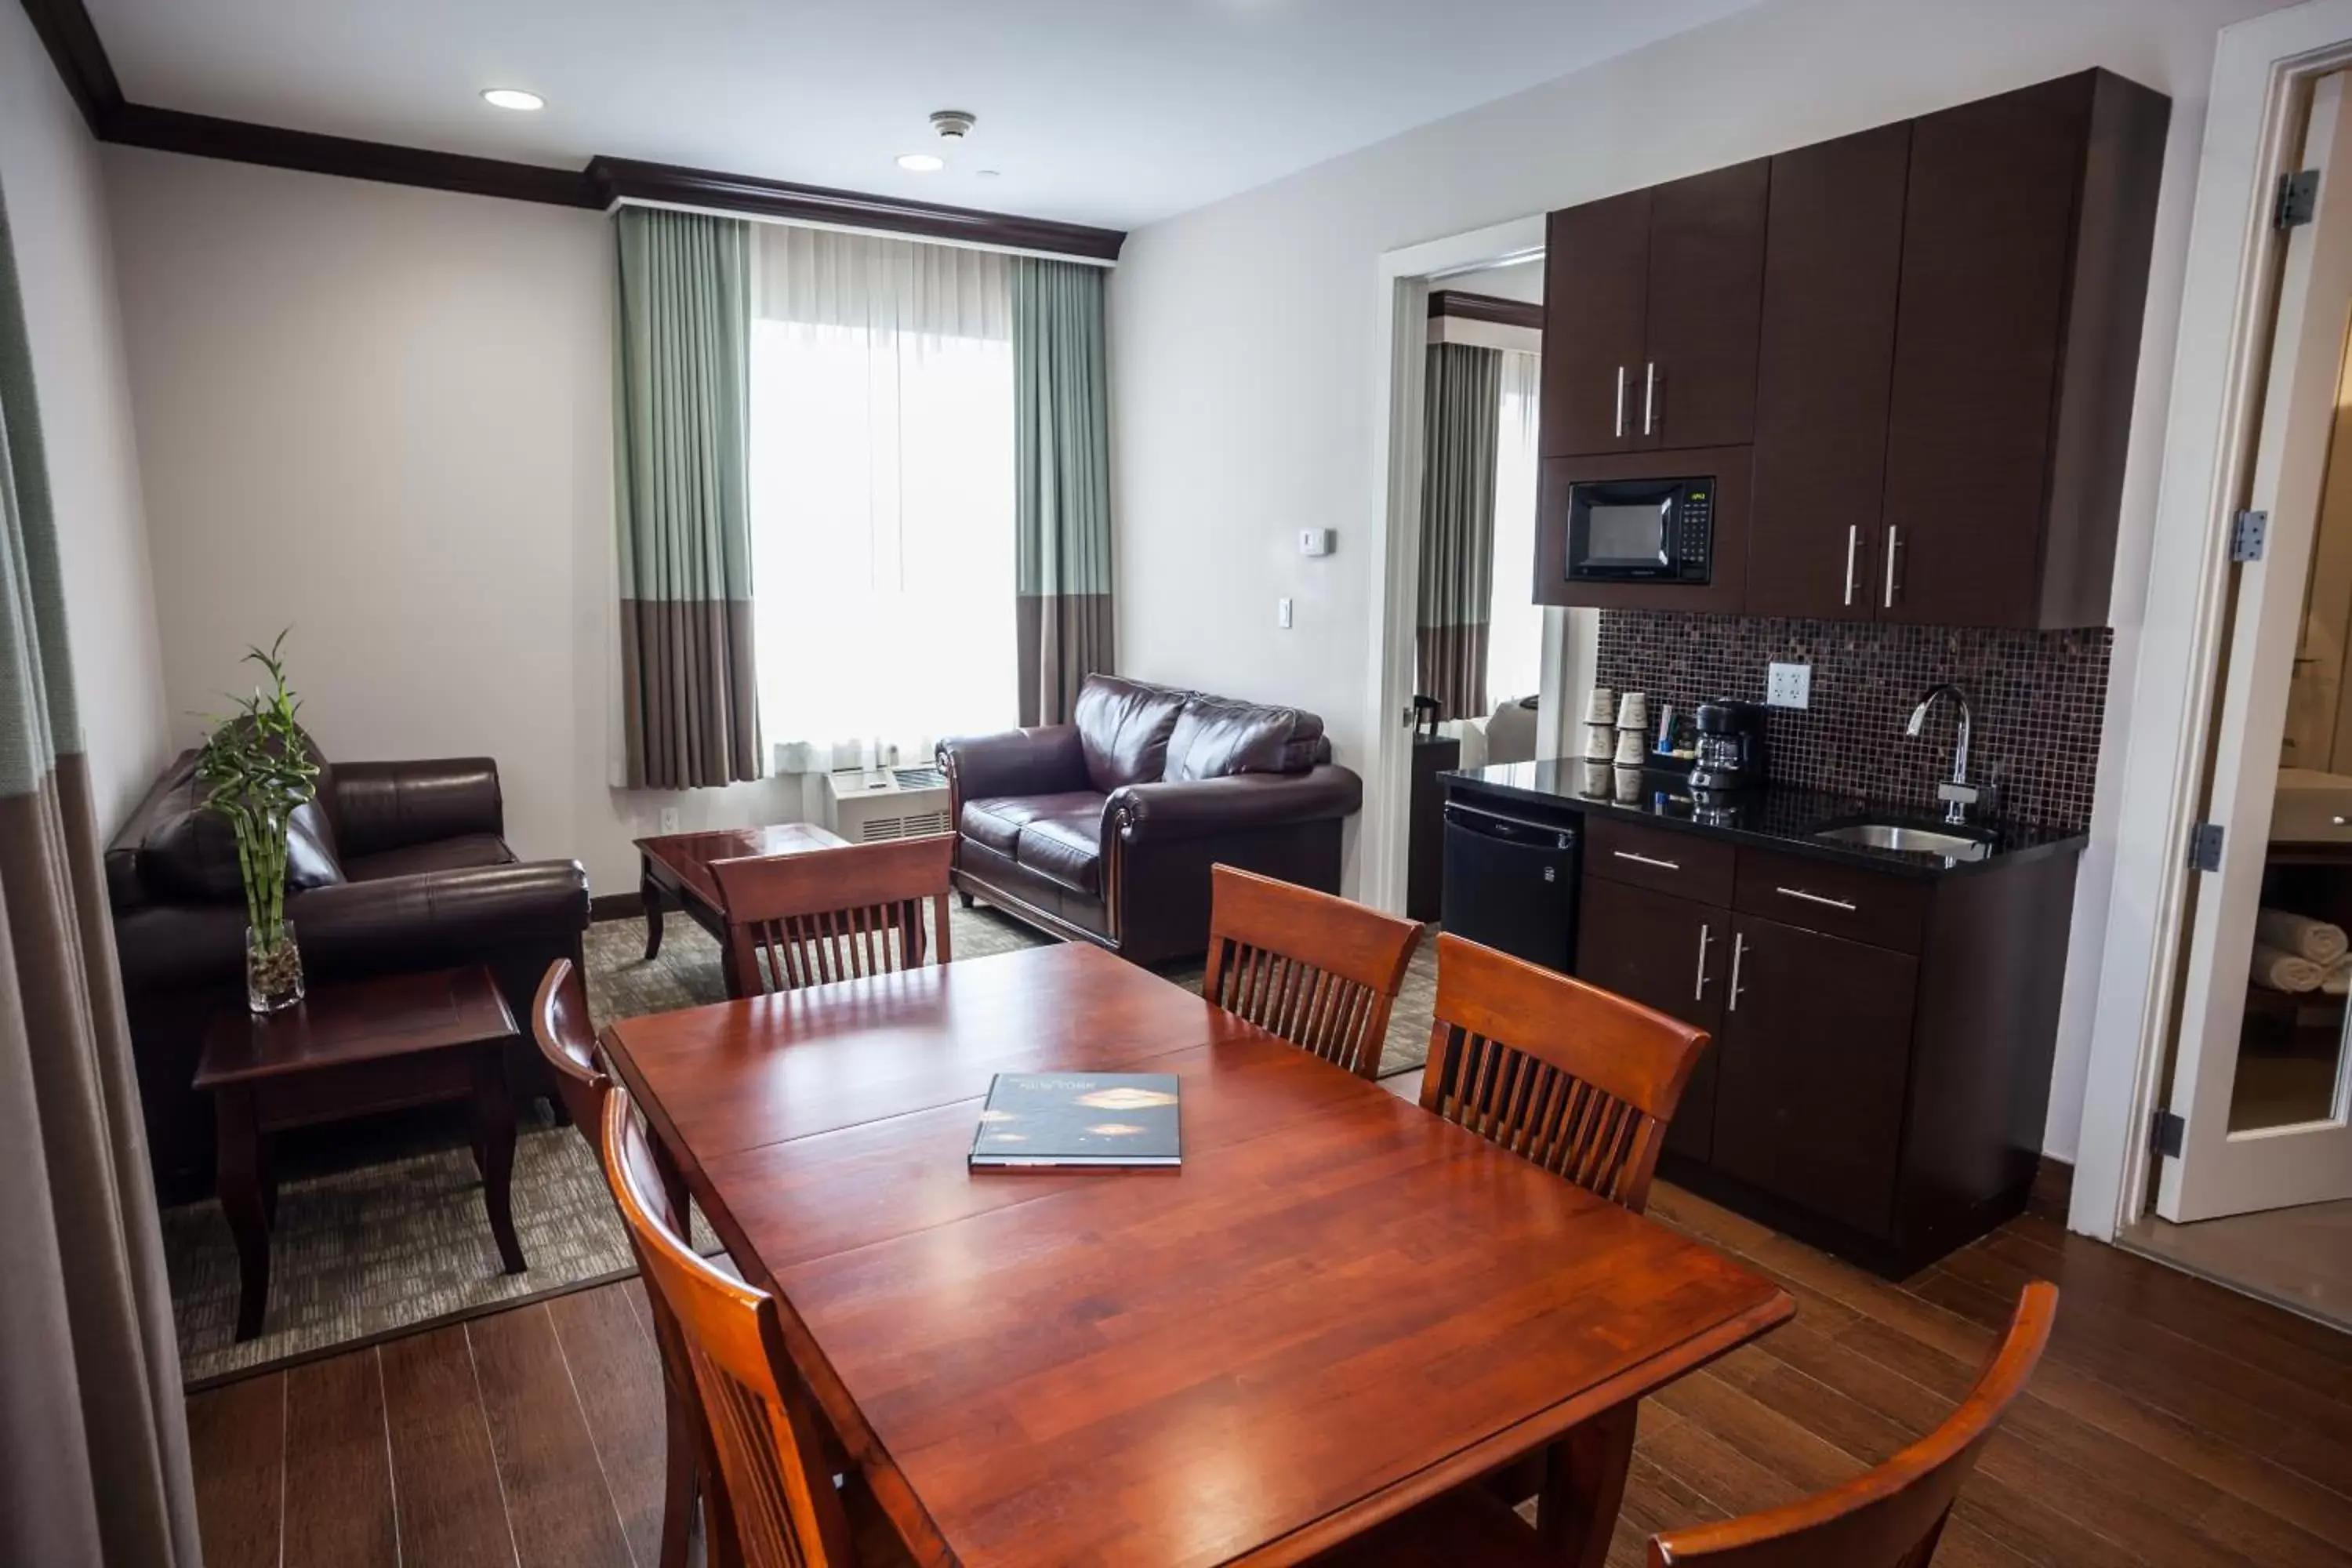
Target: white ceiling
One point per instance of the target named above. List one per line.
(1109, 111)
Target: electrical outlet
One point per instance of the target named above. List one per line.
(1282, 614)
(1788, 686)
(669, 819)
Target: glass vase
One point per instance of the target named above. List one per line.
(273, 969)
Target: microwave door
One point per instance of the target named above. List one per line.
(1621, 537)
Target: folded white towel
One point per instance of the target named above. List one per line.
(2318, 940)
(2338, 981)
(2277, 971)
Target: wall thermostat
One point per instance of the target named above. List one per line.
(1317, 541)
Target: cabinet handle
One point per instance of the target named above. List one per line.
(1738, 952)
(1815, 899)
(1646, 860)
(1706, 934)
(1894, 546)
(1649, 393)
(1853, 544)
(1620, 403)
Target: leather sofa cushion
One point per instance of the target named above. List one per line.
(1123, 728)
(1215, 739)
(187, 850)
(459, 854)
(998, 822)
(1065, 847)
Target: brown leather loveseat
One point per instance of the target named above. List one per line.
(396, 866)
(1104, 829)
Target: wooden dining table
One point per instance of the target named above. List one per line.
(1338, 1306)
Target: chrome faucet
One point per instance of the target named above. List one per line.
(1959, 795)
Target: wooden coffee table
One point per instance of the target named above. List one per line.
(675, 868)
(349, 1049)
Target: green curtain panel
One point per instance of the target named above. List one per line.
(1459, 408)
(90, 1416)
(1061, 440)
(690, 716)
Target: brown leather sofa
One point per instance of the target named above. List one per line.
(396, 866)
(1103, 830)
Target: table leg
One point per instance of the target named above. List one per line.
(238, 1170)
(494, 1141)
(1584, 1486)
(649, 895)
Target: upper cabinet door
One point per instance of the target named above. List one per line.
(1832, 257)
(1987, 227)
(1596, 290)
(1697, 374)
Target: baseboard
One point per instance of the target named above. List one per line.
(616, 907)
(2054, 1189)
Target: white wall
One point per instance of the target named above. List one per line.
(1244, 330)
(383, 417)
(65, 258)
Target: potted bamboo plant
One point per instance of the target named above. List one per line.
(260, 773)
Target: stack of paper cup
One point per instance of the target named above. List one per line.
(1630, 748)
(1600, 742)
(1634, 712)
(1599, 707)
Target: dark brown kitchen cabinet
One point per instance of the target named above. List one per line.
(2027, 227)
(1650, 316)
(1810, 1083)
(1666, 952)
(1831, 260)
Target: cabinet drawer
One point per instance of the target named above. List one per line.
(1840, 901)
(1671, 862)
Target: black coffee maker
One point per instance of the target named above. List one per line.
(1730, 746)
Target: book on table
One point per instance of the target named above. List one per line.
(1047, 1120)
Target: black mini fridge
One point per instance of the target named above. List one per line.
(1510, 882)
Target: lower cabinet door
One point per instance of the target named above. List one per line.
(1815, 1051)
(1665, 953)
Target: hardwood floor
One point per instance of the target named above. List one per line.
(2171, 1423)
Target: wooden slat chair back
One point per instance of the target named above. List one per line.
(1318, 971)
(836, 914)
(778, 1491)
(1892, 1516)
(1576, 1079)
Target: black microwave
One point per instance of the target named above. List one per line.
(1641, 530)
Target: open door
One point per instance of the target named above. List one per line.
(2260, 1090)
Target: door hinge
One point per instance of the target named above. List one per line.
(2248, 532)
(2298, 195)
(2168, 1134)
(2205, 846)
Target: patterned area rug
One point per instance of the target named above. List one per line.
(380, 1225)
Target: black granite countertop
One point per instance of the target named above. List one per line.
(1773, 816)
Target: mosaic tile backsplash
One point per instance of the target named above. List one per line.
(2037, 700)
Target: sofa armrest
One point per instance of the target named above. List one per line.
(430, 920)
(377, 806)
(1141, 814)
(1046, 759)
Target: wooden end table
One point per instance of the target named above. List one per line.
(349, 1049)
(675, 868)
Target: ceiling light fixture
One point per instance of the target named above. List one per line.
(512, 98)
(921, 162)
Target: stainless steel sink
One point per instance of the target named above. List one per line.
(1908, 840)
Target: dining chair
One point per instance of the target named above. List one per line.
(777, 1482)
(560, 1026)
(1892, 1516)
(834, 914)
(1576, 1079)
(1318, 971)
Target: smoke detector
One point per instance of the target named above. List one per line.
(953, 122)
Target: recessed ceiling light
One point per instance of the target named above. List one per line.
(512, 98)
(921, 162)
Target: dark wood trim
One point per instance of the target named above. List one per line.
(1467, 307)
(626, 179)
(616, 907)
(2054, 1189)
(204, 136)
(79, 56)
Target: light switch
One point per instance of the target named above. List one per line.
(1282, 614)
(669, 819)
(1317, 541)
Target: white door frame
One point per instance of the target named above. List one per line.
(2262, 71)
(1400, 361)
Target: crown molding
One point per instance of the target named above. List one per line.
(1468, 307)
(79, 56)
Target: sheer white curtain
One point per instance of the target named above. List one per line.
(881, 458)
(1514, 622)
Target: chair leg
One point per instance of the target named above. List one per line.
(681, 1482)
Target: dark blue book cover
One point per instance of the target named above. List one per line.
(1046, 1119)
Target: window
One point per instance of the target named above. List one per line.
(881, 468)
(1515, 623)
